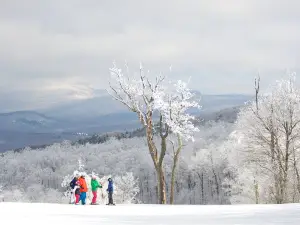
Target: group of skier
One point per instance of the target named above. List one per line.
(79, 189)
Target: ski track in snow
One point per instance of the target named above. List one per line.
(56, 214)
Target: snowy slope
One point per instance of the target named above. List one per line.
(23, 213)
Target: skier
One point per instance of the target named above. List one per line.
(73, 188)
(83, 189)
(77, 192)
(95, 185)
(110, 190)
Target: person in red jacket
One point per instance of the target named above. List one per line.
(83, 189)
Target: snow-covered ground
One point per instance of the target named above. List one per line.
(55, 214)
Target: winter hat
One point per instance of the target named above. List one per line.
(82, 174)
(93, 176)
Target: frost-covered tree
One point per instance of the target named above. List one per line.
(267, 138)
(171, 102)
(68, 178)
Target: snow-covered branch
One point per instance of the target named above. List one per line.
(135, 92)
(173, 107)
(142, 96)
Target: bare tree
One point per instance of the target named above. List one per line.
(269, 130)
(144, 97)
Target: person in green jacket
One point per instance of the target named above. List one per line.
(95, 185)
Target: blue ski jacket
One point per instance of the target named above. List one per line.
(73, 182)
(110, 186)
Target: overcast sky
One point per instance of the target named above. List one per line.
(53, 49)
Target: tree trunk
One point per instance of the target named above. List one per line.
(172, 184)
(157, 160)
(256, 192)
(275, 165)
(175, 162)
(217, 183)
(162, 186)
(160, 172)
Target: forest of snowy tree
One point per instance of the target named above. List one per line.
(36, 175)
(253, 160)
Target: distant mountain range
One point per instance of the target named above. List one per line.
(80, 118)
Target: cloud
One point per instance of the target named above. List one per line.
(221, 44)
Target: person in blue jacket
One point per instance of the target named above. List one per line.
(73, 189)
(110, 190)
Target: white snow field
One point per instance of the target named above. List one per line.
(56, 214)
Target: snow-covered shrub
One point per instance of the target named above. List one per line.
(126, 188)
(66, 185)
(53, 196)
(15, 195)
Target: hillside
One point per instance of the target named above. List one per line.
(149, 214)
(226, 115)
(99, 115)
